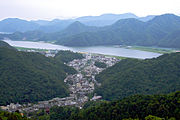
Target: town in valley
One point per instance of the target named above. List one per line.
(81, 85)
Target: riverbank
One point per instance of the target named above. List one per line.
(24, 49)
(46, 50)
(105, 50)
(152, 49)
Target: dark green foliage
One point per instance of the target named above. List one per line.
(67, 56)
(6, 45)
(11, 116)
(138, 106)
(151, 117)
(100, 64)
(62, 113)
(30, 77)
(93, 104)
(132, 76)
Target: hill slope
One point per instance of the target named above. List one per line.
(30, 77)
(134, 107)
(15, 24)
(67, 56)
(130, 76)
(128, 32)
(138, 107)
(5, 45)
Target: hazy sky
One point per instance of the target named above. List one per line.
(51, 9)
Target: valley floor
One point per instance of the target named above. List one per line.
(81, 85)
(152, 49)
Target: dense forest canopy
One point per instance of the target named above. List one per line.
(100, 64)
(12, 116)
(133, 76)
(67, 56)
(139, 107)
(31, 77)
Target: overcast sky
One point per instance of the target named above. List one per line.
(51, 9)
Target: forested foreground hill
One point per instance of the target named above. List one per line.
(12, 116)
(6, 45)
(132, 76)
(139, 107)
(30, 77)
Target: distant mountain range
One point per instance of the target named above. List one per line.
(19, 25)
(160, 31)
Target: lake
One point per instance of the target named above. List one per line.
(107, 50)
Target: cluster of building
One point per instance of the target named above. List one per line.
(80, 85)
(47, 53)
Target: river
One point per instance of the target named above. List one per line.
(107, 50)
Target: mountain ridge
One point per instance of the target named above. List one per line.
(57, 25)
(129, 31)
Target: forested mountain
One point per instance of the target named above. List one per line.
(56, 25)
(129, 32)
(72, 29)
(132, 76)
(138, 107)
(105, 19)
(30, 77)
(160, 31)
(15, 24)
(122, 32)
(30, 35)
(172, 39)
(5, 45)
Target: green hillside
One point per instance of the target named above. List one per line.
(12, 116)
(135, 107)
(6, 45)
(138, 107)
(132, 76)
(130, 32)
(67, 56)
(172, 39)
(30, 77)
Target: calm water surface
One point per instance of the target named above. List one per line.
(107, 50)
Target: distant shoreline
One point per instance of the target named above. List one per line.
(105, 50)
